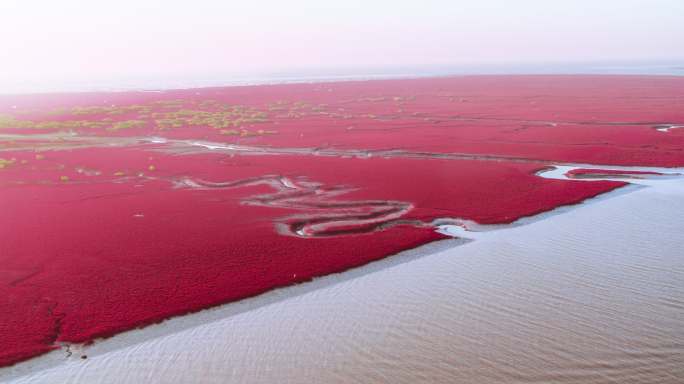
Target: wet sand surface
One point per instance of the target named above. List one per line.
(591, 295)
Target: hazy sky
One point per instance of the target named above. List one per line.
(93, 39)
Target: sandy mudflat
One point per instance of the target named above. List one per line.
(591, 295)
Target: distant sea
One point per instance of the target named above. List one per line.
(133, 83)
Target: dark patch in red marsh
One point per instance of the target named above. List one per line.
(593, 173)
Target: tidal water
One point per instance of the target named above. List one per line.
(183, 81)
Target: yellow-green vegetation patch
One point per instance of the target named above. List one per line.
(211, 104)
(280, 105)
(127, 124)
(111, 110)
(58, 111)
(163, 114)
(247, 132)
(8, 122)
(230, 116)
(299, 109)
(4, 163)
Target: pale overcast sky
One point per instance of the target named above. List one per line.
(97, 39)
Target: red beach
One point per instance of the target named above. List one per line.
(120, 210)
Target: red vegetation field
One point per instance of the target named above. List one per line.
(123, 209)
